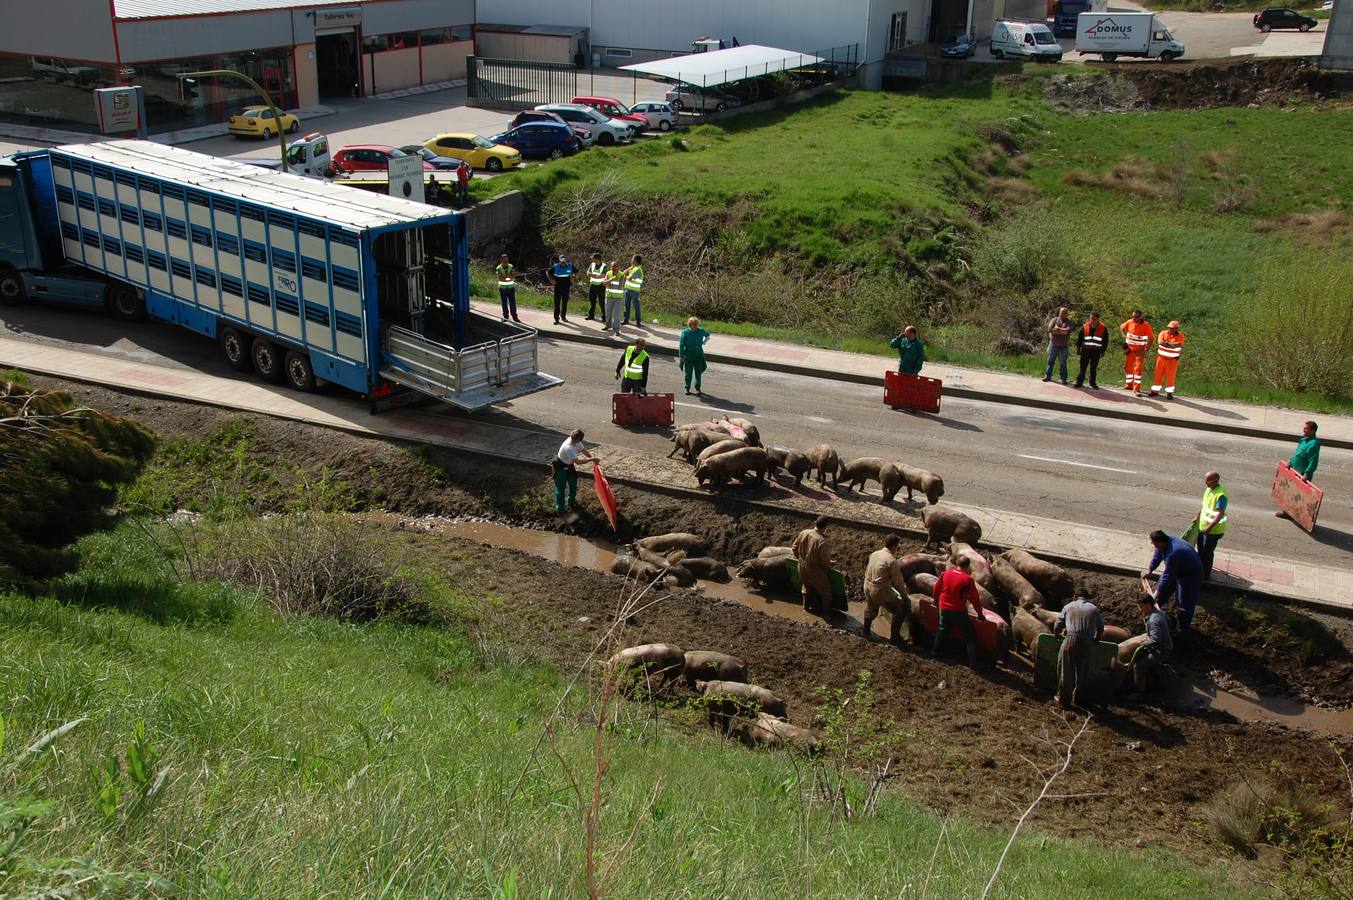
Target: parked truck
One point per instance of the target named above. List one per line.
(297, 279)
(1116, 34)
(307, 155)
(1066, 13)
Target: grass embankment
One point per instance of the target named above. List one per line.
(974, 210)
(307, 757)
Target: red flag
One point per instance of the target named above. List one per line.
(605, 495)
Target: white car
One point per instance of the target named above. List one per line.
(660, 115)
(700, 101)
(605, 131)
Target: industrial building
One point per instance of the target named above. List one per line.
(55, 52)
(1339, 37)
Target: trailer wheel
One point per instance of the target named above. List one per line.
(11, 288)
(267, 360)
(299, 374)
(235, 349)
(125, 302)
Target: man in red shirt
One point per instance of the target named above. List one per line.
(954, 590)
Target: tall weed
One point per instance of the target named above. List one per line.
(1297, 334)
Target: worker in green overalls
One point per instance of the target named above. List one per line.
(691, 353)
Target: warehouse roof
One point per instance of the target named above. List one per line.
(723, 66)
(158, 9)
(309, 197)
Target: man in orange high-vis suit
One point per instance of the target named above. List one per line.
(1137, 334)
(1169, 344)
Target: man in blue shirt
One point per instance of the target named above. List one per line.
(561, 273)
(1181, 577)
(1148, 662)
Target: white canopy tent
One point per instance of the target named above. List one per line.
(724, 66)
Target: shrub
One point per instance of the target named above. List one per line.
(1297, 334)
(1264, 810)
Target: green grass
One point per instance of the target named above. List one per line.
(308, 758)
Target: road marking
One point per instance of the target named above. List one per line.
(818, 419)
(1081, 464)
(715, 408)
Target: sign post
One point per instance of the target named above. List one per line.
(406, 178)
(121, 109)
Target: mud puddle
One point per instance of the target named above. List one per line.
(1251, 707)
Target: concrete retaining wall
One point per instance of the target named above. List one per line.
(489, 223)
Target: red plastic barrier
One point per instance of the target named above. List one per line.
(987, 628)
(630, 410)
(1297, 497)
(914, 392)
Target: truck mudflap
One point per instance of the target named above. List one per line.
(499, 362)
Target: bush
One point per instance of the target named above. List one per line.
(1279, 812)
(1297, 334)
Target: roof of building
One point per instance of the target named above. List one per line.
(554, 30)
(310, 197)
(724, 66)
(159, 9)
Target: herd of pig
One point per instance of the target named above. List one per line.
(747, 712)
(730, 449)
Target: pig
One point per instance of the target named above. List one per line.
(1026, 628)
(710, 665)
(946, 523)
(689, 543)
(716, 426)
(718, 447)
(692, 441)
(776, 734)
(792, 461)
(771, 552)
(633, 567)
(922, 583)
(707, 568)
(978, 566)
(753, 436)
(1046, 616)
(926, 482)
(859, 472)
(672, 565)
(890, 481)
(824, 461)
(770, 573)
(734, 698)
(1052, 581)
(1114, 635)
(916, 564)
(1127, 648)
(654, 664)
(733, 464)
(1013, 585)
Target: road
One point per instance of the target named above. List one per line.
(1087, 470)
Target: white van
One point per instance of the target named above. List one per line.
(1023, 39)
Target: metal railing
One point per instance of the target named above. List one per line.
(518, 83)
(506, 351)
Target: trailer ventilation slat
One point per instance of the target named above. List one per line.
(347, 239)
(152, 222)
(317, 314)
(256, 252)
(69, 231)
(112, 245)
(287, 304)
(259, 295)
(283, 260)
(348, 324)
(231, 285)
(173, 191)
(313, 268)
(201, 235)
(86, 201)
(312, 229)
(175, 228)
(345, 278)
(180, 268)
(90, 238)
(129, 214)
(197, 198)
(204, 276)
(107, 207)
(126, 178)
(227, 244)
(134, 254)
(281, 220)
(226, 205)
(64, 194)
(155, 260)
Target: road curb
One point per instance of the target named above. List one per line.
(959, 392)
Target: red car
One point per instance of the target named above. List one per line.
(370, 158)
(609, 106)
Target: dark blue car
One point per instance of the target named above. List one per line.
(550, 140)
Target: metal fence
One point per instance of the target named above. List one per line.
(516, 84)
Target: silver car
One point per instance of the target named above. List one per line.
(606, 131)
(683, 98)
(660, 115)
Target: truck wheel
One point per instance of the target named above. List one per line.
(267, 360)
(299, 374)
(1109, 57)
(11, 288)
(125, 302)
(235, 349)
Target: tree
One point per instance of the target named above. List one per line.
(60, 467)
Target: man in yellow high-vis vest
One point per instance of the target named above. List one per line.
(596, 287)
(634, 283)
(632, 370)
(1211, 520)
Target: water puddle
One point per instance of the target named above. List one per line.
(1250, 707)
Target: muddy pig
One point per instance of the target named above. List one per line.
(720, 427)
(775, 733)
(978, 566)
(890, 481)
(916, 564)
(672, 565)
(859, 472)
(674, 540)
(692, 441)
(718, 447)
(824, 461)
(706, 568)
(733, 464)
(753, 436)
(661, 663)
(771, 552)
(633, 567)
(772, 572)
(1026, 629)
(943, 523)
(1014, 585)
(710, 665)
(734, 698)
(1127, 648)
(1114, 635)
(1052, 581)
(922, 583)
(926, 482)
(792, 461)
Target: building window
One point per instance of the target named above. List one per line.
(399, 40)
(616, 51)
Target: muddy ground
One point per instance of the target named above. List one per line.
(1144, 769)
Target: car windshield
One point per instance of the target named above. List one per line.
(1044, 37)
(621, 109)
(482, 142)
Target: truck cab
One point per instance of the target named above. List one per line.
(307, 156)
(1023, 39)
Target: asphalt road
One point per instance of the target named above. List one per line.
(1081, 469)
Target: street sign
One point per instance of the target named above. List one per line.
(1297, 497)
(120, 109)
(406, 178)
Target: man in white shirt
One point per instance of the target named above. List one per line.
(564, 466)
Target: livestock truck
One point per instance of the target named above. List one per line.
(298, 279)
(1116, 34)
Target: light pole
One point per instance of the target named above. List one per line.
(189, 77)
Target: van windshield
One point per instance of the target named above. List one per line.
(1044, 37)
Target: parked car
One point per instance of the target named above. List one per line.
(370, 158)
(961, 47)
(549, 140)
(475, 149)
(54, 69)
(257, 121)
(440, 163)
(1024, 40)
(613, 108)
(1282, 17)
(604, 131)
(539, 115)
(660, 115)
(682, 98)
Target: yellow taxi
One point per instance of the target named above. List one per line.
(257, 121)
(476, 150)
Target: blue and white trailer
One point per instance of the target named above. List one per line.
(298, 279)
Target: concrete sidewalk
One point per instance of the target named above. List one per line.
(975, 384)
(1103, 548)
